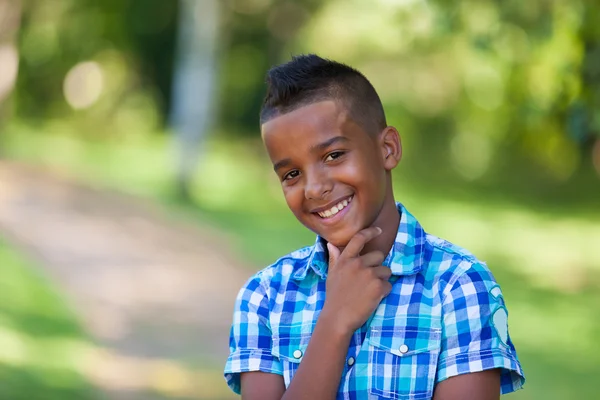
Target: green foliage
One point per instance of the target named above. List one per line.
(492, 82)
(258, 34)
(133, 41)
(489, 93)
(41, 346)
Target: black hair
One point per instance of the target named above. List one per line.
(308, 79)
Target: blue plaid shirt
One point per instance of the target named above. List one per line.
(445, 316)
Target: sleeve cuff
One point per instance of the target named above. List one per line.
(249, 360)
(511, 378)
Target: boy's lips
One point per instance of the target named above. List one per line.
(331, 204)
(334, 211)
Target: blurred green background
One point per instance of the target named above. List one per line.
(497, 103)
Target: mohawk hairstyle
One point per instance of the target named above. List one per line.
(308, 79)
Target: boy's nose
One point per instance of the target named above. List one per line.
(317, 187)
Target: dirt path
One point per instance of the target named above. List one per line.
(155, 294)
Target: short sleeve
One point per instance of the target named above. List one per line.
(250, 337)
(475, 330)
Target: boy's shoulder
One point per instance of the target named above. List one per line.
(439, 249)
(450, 264)
(291, 265)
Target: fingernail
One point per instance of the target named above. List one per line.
(379, 230)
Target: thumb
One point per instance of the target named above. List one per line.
(334, 254)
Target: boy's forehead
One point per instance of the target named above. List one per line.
(322, 115)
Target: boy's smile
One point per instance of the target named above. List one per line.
(334, 211)
(334, 175)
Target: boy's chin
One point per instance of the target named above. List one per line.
(339, 239)
(338, 244)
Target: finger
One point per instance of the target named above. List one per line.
(372, 259)
(359, 240)
(334, 254)
(387, 288)
(382, 272)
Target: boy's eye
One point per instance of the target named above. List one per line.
(334, 155)
(291, 175)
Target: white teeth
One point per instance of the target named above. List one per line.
(335, 209)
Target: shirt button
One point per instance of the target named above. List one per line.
(403, 349)
(298, 354)
(351, 361)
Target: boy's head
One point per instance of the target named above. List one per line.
(324, 128)
(309, 79)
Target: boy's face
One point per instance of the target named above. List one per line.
(333, 174)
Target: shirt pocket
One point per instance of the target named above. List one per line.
(403, 361)
(289, 345)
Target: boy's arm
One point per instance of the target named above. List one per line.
(477, 355)
(262, 385)
(483, 385)
(318, 375)
(355, 286)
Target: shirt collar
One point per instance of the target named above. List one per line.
(405, 256)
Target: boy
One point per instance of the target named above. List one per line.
(376, 308)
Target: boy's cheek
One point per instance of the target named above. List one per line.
(292, 196)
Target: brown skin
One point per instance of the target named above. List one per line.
(314, 177)
(321, 157)
(483, 385)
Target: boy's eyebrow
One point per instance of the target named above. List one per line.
(329, 142)
(287, 161)
(280, 164)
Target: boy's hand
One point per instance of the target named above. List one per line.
(355, 284)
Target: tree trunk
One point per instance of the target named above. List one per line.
(193, 104)
(10, 21)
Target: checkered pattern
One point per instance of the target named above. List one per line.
(445, 316)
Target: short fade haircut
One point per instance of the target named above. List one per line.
(308, 79)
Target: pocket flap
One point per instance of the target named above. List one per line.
(405, 341)
(290, 343)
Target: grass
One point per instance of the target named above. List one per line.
(40, 341)
(543, 254)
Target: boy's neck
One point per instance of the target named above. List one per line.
(388, 220)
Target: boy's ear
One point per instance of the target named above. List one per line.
(391, 147)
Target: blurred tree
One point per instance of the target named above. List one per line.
(487, 87)
(10, 19)
(194, 83)
(257, 35)
(134, 36)
(254, 34)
